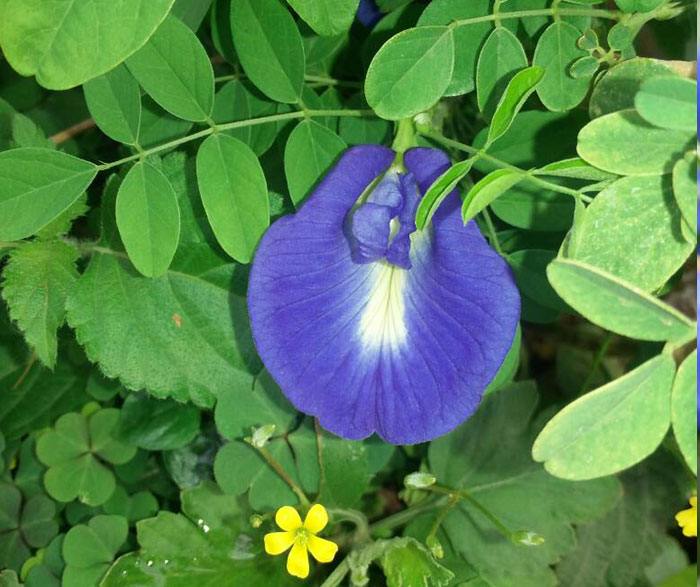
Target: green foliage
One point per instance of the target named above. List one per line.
(326, 17)
(683, 399)
(407, 563)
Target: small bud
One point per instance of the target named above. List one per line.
(359, 578)
(261, 436)
(419, 480)
(256, 520)
(434, 545)
(527, 538)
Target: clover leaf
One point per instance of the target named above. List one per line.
(76, 451)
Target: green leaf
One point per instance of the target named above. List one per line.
(529, 267)
(361, 130)
(344, 471)
(238, 100)
(684, 409)
(234, 193)
(685, 191)
(617, 88)
(555, 51)
(157, 126)
(489, 456)
(467, 39)
(682, 579)
(584, 67)
(574, 168)
(65, 43)
(440, 189)
(632, 230)
(519, 89)
(36, 282)
(245, 406)
(638, 5)
(310, 152)
(134, 507)
(48, 571)
(624, 143)
(487, 190)
(500, 59)
(510, 365)
(614, 304)
(407, 563)
(599, 433)
(36, 185)
(114, 101)
(669, 103)
(89, 549)
(174, 68)
(148, 218)
(269, 47)
(326, 17)
(155, 424)
(191, 12)
(411, 72)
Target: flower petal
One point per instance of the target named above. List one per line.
(322, 550)
(298, 561)
(278, 542)
(374, 347)
(316, 519)
(288, 518)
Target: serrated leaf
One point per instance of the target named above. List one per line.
(501, 57)
(440, 189)
(310, 152)
(684, 409)
(40, 38)
(234, 193)
(407, 563)
(269, 47)
(411, 72)
(598, 434)
(555, 51)
(36, 185)
(114, 101)
(632, 230)
(489, 456)
(148, 218)
(36, 282)
(326, 17)
(614, 304)
(174, 68)
(487, 190)
(625, 144)
(519, 89)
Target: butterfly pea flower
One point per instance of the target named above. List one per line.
(688, 519)
(370, 325)
(301, 538)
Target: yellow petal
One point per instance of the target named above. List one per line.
(288, 518)
(278, 542)
(322, 550)
(316, 519)
(694, 501)
(688, 520)
(298, 561)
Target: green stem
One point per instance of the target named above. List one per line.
(405, 516)
(492, 232)
(338, 574)
(443, 514)
(231, 125)
(596, 362)
(473, 151)
(357, 518)
(609, 14)
(11, 244)
(321, 80)
(283, 474)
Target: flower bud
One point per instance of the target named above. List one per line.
(419, 480)
(527, 538)
(435, 546)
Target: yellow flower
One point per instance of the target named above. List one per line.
(688, 519)
(301, 538)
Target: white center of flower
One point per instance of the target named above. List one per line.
(382, 322)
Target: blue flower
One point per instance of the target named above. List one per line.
(368, 13)
(370, 325)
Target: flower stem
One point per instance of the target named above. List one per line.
(285, 477)
(608, 14)
(405, 516)
(438, 138)
(338, 574)
(356, 517)
(492, 232)
(232, 125)
(443, 514)
(596, 362)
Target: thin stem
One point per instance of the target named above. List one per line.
(473, 150)
(11, 244)
(596, 362)
(72, 131)
(609, 14)
(316, 79)
(338, 574)
(443, 514)
(492, 232)
(286, 478)
(404, 516)
(357, 518)
(231, 125)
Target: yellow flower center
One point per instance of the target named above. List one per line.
(301, 536)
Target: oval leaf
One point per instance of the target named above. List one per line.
(491, 187)
(598, 434)
(174, 68)
(411, 72)
(519, 89)
(440, 189)
(614, 304)
(148, 218)
(684, 409)
(36, 185)
(685, 190)
(326, 17)
(270, 48)
(669, 102)
(234, 193)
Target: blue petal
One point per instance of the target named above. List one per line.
(373, 347)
